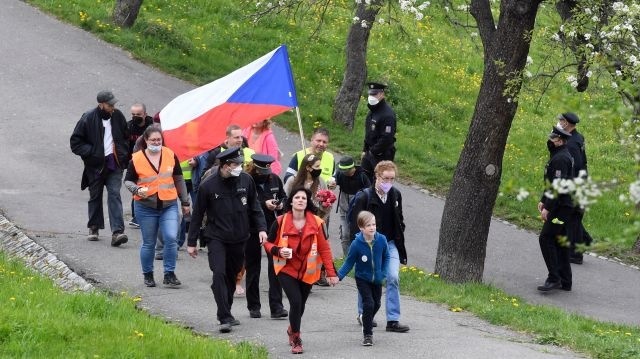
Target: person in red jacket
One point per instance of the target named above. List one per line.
(299, 247)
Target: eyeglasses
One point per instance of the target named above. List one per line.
(387, 179)
(154, 139)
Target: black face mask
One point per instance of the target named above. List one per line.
(137, 119)
(316, 173)
(550, 145)
(261, 178)
(104, 114)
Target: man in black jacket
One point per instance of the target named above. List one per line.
(557, 212)
(380, 130)
(101, 139)
(385, 202)
(136, 126)
(272, 197)
(578, 235)
(351, 179)
(229, 199)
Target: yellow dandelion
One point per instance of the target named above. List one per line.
(436, 275)
(515, 304)
(627, 333)
(137, 299)
(12, 298)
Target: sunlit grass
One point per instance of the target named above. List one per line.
(41, 321)
(434, 72)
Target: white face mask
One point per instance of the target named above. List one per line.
(154, 148)
(235, 172)
(559, 125)
(373, 100)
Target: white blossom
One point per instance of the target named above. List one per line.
(587, 11)
(587, 36)
(364, 24)
(381, 20)
(529, 60)
(528, 74)
(614, 85)
(555, 37)
(473, 34)
(589, 74)
(522, 194)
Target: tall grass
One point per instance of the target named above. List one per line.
(434, 72)
(41, 321)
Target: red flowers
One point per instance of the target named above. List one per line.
(325, 197)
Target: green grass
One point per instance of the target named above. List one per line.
(41, 321)
(434, 72)
(547, 324)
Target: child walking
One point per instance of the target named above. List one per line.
(370, 255)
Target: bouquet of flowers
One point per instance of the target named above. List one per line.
(325, 197)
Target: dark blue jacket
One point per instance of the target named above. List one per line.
(372, 262)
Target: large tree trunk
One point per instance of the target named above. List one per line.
(125, 12)
(355, 74)
(467, 212)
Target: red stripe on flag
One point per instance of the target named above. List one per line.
(208, 130)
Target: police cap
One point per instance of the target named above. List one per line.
(558, 132)
(375, 87)
(569, 117)
(230, 155)
(262, 163)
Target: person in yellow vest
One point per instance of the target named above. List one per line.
(299, 246)
(154, 177)
(319, 143)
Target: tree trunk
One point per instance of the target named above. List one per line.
(467, 212)
(125, 12)
(355, 74)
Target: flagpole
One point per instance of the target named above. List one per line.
(300, 127)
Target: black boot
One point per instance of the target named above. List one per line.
(148, 279)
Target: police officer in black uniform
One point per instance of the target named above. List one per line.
(557, 213)
(576, 146)
(272, 197)
(380, 130)
(230, 202)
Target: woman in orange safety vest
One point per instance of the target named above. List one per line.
(154, 177)
(299, 247)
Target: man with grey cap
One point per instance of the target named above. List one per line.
(556, 210)
(228, 198)
(578, 235)
(380, 129)
(101, 139)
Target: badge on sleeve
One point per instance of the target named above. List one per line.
(364, 258)
(387, 129)
(558, 173)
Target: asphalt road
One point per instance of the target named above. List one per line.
(50, 73)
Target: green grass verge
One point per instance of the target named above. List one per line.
(41, 321)
(434, 72)
(547, 325)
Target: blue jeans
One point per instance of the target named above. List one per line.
(392, 295)
(152, 220)
(113, 181)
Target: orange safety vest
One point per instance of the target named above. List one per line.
(158, 182)
(314, 262)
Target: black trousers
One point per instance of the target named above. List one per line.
(578, 234)
(297, 292)
(252, 265)
(371, 294)
(225, 261)
(275, 289)
(555, 244)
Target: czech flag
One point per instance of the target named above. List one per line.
(196, 121)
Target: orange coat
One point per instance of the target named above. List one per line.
(310, 247)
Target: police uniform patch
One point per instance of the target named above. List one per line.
(243, 199)
(373, 127)
(387, 129)
(558, 173)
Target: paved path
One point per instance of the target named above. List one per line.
(50, 73)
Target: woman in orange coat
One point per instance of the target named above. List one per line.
(299, 247)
